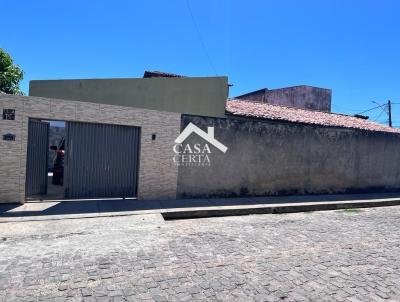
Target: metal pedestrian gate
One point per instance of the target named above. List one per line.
(101, 160)
(37, 157)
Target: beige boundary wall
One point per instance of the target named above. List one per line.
(157, 173)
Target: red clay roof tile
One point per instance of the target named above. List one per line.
(295, 115)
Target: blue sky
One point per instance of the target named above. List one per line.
(352, 47)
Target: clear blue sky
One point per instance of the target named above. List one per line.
(352, 47)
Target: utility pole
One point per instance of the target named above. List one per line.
(390, 112)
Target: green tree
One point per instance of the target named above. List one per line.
(10, 74)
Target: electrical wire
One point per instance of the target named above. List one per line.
(345, 108)
(379, 115)
(200, 37)
(370, 109)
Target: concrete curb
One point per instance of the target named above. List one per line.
(277, 209)
(218, 211)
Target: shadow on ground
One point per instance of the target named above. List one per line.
(131, 205)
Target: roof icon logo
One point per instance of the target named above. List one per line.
(207, 136)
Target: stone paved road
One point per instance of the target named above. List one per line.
(323, 256)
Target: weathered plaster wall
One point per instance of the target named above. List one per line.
(157, 173)
(304, 97)
(271, 158)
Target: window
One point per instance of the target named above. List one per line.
(9, 114)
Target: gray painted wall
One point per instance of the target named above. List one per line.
(201, 96)
(270, 158)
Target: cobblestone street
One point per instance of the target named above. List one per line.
(351, 255)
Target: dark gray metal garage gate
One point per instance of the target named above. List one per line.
(37, 155)
(101, 160)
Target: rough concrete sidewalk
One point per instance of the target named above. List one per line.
(191, 208)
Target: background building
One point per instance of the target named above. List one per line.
(304, 97)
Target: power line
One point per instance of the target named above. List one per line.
(360, 110)
(349, 109)
(383, 107)
(200, 37)
(379, 115)
(370, 109)
(386, 108)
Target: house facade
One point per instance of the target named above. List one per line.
(167, 137)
